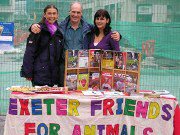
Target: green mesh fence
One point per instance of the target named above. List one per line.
(148, 26)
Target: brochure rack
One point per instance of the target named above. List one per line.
(82, 69)
(102, 69)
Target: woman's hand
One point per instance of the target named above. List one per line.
(116, 36)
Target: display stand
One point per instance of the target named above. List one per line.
(121, 70)
(82, 69)
(102, 69)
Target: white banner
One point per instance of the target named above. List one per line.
(64, 114)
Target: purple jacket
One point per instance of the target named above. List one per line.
(107, 43)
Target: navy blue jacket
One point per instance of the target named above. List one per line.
(42, 57)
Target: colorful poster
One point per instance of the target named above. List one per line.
(6, 35)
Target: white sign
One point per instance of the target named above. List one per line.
(146, 10)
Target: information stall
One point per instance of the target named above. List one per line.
(101, 97)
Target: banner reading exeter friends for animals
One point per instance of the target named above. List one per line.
(61, 114)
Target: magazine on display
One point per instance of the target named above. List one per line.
(107, 59)
(94, 80)
(119, 82)
(95, 57)
(120, 60)
(131, 83)
(132, 61)
(83, 58)
(72, 58)
(83, 81)
(106, 80)
(71, 81)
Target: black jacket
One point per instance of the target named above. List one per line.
(42, 57)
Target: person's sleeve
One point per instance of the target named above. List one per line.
(114, 44)
(120, 36)
(30, 28)
(29, 56)
(91, 26)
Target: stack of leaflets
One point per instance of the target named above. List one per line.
(92, 93)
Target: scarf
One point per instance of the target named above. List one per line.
(51, 27)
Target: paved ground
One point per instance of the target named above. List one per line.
(2, 121)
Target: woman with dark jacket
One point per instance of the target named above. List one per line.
(44, 51)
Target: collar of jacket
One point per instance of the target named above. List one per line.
(45, 28)
(86, 26)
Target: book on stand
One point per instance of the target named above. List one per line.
(71, 81)
(83, 81)
(95, 57)
(72, 60)
(107, 59)
(120, 60)
(102, 69)
(94, 80)
(106, 80)
(119, 82)
(83, 58)
(131, 83)
(132, 61)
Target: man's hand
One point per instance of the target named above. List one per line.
(116, 36)
(35, 28)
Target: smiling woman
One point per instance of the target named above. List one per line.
(51, 15)
(43, 51)
(101, 39)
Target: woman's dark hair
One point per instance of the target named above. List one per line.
(102, 13)
(45, 10)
